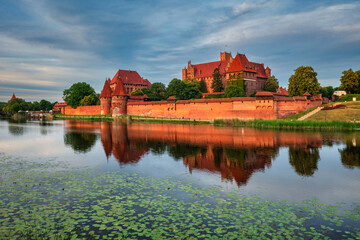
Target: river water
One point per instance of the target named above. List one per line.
(276, 165)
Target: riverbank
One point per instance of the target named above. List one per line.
(257, 123)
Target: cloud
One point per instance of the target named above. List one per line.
(330, 19)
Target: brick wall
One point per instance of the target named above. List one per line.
(83, 110)
(209, 109)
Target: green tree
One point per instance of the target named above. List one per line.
(15, 108)
(35, 106)
(192, 81)
(358, 78)
(303, 80)
(176, 88)
(21, 104)
(350, 81)
(76, 93)
(202, 86)
(191, 91)
(45, 105)
(272, 84)
(327, 91)
(88, 100)
(159, 90)
(234, 91)
(137, 92)
(217, 85)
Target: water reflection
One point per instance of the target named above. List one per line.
(350, 155)
(304, 160)
(233, 153)
(80, 137)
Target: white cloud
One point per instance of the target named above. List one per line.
(333, 19)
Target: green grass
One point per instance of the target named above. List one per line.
(166, 120)
(291, 124)
(349, 98)
(300, 114)
(106, 117)
(350, 113)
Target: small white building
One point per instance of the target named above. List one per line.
(339, 93)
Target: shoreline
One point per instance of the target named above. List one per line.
(257, 123)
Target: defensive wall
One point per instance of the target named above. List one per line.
(245, 108)
(265, 106)
(82, 110)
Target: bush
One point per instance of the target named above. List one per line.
(234, 91)
(349, 97)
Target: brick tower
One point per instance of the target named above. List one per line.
(105, 98)
(119, 99)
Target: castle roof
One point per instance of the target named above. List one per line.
(13, 96)
(207, 69)
(282, 91)
(260, 70)
(119, 89)
(106, 92)
(241, 64)
(130, 77)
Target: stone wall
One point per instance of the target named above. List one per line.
(83, 110)
(246, 108)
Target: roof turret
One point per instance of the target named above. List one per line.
(106, 92)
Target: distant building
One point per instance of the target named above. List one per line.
(254, 74)
(131, 81)
(339, 93)
(13, 96)
(58, 106)
(282, 92)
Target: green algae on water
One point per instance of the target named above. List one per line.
(37, 202)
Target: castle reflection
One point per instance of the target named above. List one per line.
(233, 153)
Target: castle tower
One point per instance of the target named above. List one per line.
(119, 99)
(268, 72)
(105, 98)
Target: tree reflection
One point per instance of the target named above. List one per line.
(16, 130)
(81, 142)
(304, 161)
(350, 155)
(181, 150)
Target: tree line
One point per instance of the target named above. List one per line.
(303, 80)
(18, 104)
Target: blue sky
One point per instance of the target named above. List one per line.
(46, 46)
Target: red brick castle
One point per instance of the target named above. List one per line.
(254, 74)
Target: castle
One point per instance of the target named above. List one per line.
(254, 74)
(115, 98)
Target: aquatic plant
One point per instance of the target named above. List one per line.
(37, 201)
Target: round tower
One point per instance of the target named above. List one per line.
(119, 99)
(105, 98)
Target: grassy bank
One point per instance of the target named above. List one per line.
(166, 120)
(290, 124)
(258, 123)
(350, 113)
(106, 117)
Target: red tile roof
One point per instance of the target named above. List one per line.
(13, 96)
(106, 92)
(59, 105)
(130, 77)
(260, 70)
(207, 69)
(264, 94)
(241, 64)
(306, 94)
(119, 89)
(282, 91)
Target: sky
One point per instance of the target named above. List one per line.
(47, 45)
